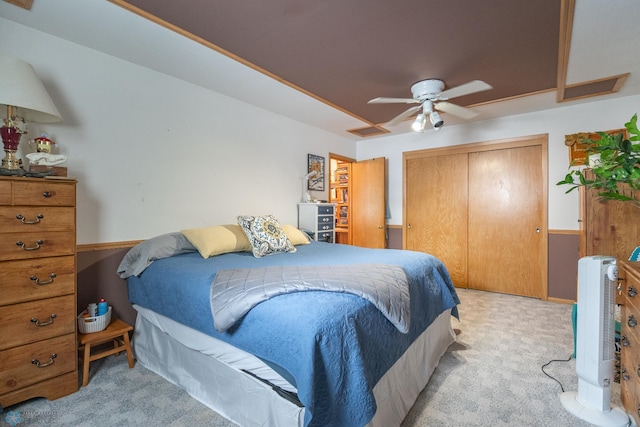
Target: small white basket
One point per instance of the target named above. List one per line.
(87, 325)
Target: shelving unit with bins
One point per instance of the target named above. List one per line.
(340, 191)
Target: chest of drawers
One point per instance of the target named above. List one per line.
(319, 219)
(38, 350)
(630, 338)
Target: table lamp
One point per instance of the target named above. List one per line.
(25, 99)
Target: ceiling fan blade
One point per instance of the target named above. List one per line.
(400, 117)
(465, 89)
(393, 101)
(456, 110)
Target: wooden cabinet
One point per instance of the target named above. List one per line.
(610, 227)
(339, 193)
(38, 350)
(630, 338)
(318, 219)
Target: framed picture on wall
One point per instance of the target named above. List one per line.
(316, 164)
(579, 142)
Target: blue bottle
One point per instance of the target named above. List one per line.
(102, 307)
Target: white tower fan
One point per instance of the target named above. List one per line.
(595, 344)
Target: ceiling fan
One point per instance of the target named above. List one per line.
(431, 97)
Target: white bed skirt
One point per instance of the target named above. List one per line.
(211, 372)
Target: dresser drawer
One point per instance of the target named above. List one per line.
(629, 362)
(628, 394)
(20, 368)
(631, 293)
(44, 193)
(36, 245)
(15, 219)
(323, 221)
(39, 278)
(5, 192)
(325, 236)
(630, 384)
(56, 316)
(630, 332)
(325, 209)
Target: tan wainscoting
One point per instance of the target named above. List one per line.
(107, 246)
(97, 277)
(98, 264)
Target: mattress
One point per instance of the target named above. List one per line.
(213, 372)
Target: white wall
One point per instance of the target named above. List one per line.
(154, 154)
(563, 208)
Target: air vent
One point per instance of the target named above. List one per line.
(368, 131)
(593, 88)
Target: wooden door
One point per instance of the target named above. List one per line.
(507, 230)
(436, 210)
(368, 205)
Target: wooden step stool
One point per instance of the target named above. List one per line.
(118, 332)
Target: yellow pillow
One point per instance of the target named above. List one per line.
(296, 236)
(218, 239)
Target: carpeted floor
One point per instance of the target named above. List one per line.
(490, 377)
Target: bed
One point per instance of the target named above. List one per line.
(304, 357)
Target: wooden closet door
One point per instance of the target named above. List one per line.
(507, 227)
(368, 205)
(436, 210)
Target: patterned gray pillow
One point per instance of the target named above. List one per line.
(265, 235)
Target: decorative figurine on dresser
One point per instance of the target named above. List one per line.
(38, 350)
(318, 220)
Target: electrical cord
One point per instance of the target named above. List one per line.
(555, 360)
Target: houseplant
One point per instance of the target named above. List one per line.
(613, 159)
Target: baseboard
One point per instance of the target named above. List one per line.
(560, 300)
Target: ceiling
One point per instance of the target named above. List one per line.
(320, 62)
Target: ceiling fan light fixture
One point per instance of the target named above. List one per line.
(419, 123)
(435, 119)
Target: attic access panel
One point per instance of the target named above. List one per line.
(347, 52)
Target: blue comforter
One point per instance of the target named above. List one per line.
(333, 346)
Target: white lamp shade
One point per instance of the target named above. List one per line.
(20, 87)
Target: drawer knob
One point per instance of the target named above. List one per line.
(632, 292)
(44, 365)
(37, 322)
(624, 341)
(625, 376)
(47, 194)
(30, 248)
(30, 221)
(46, 282)
(632, 322)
